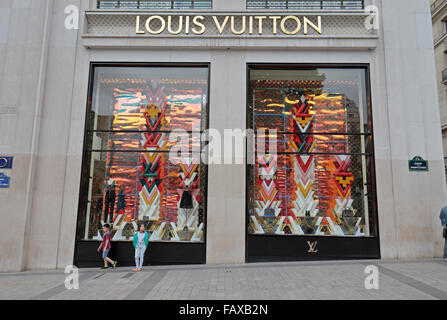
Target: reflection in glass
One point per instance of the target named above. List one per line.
(131, 178)
(319, 180)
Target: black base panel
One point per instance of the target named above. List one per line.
(296, 248)
(158, 253)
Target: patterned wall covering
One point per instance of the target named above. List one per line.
(151, 187)
(316, 183)
(123, 24)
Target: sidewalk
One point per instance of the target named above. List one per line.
(416, 279)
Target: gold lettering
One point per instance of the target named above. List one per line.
(162, 28)
(310, 23)
(187, 25)
(275, 19)
(180, 25)
(244, 25)
(250, 23)
(219, 26)
(260, 22)
(283, 25)
(137, 27)
(198, 24)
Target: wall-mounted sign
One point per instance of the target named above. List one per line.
(418, 164)
(6, 162)
(4, 181)
(237, 25)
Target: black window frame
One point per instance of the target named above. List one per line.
(164, 252)
(262, 248)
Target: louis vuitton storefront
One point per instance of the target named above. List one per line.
(308, 137)
(310, 191)
(238, 132)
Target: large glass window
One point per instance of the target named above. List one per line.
(313, 153)
(130, 176)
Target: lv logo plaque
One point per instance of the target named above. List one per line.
(312, 246)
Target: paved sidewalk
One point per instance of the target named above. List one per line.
(416, 279)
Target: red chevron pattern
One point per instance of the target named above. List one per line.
(343, 179)
(267, 205)
(152, 162)
(303, 166)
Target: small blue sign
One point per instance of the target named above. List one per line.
(4, 181)
(6, 162)
(418, 164)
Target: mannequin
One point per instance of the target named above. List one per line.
(186, 203)
(109, 200)
(120, 204)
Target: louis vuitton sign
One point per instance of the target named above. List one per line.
(288, 25)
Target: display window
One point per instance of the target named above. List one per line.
(313, 172)
(129, 176)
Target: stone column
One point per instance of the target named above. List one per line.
(226, 183)
(414, 123)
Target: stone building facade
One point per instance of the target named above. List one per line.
(53, 78)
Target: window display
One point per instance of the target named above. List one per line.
(313, 172)
(129, 177)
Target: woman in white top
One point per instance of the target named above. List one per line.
(140, 243)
